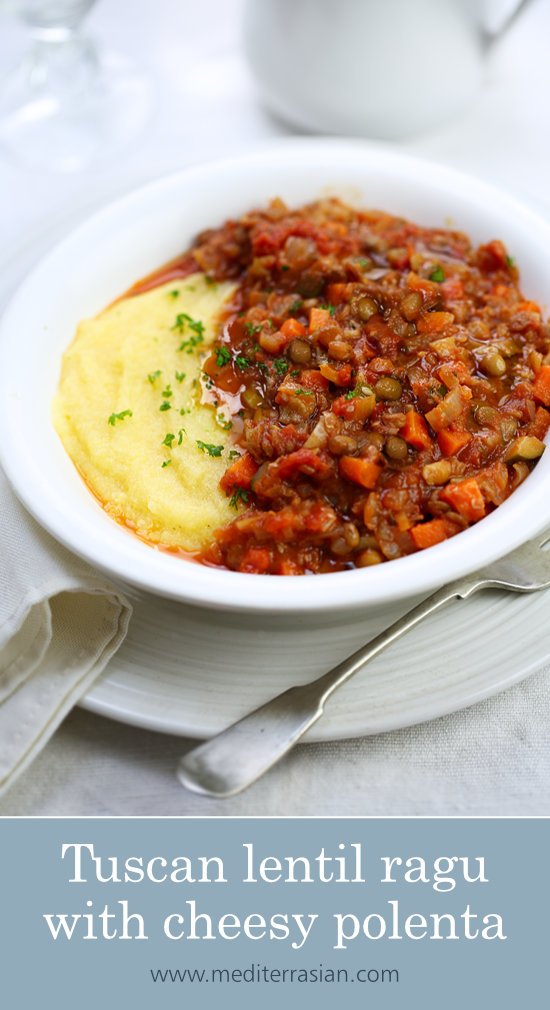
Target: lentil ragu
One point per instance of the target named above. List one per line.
(388, 385)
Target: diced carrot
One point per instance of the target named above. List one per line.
(465, 498)
(318, 318)
(415, 431)
(450, 408)
(338, 293)
(430, 533)
(451, 442)
(292, 328)
(527, 306)
(256, 560)
(541, 386)
(239, 474)
(434, 322)
(360, 471)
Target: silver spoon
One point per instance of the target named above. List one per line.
(240, 754)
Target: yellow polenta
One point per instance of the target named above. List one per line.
(131, 358)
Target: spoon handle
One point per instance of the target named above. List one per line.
(240, 754)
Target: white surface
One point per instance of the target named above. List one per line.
(129, 239)
(493, 758)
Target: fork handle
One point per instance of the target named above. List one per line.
(240, 754)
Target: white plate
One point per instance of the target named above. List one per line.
(192, 672)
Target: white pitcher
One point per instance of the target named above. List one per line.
(377, 68)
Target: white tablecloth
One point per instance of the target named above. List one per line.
(491, 759)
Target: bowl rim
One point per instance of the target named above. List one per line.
(155, 571)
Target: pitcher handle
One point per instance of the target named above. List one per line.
(494, 28)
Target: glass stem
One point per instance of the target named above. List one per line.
(63, 62)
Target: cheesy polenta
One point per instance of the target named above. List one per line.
(129, 412)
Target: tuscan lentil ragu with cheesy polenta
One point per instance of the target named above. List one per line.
(388, 385)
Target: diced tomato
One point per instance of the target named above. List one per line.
(338, 293)
(311, 378)
(306, 461)
(292, 328)
(451, 442)
(356, 408)
(540, 424)
(541, 386)
(453, 289)
(493, 256)
(415, 431)
(527, 306)
(430, 533)
(360, 471)
(257, 560)
(465, 498)
(318, 318)
(341, 376)
(239, 474)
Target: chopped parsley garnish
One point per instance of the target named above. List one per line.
(285, 267)
(239, 495)
(119, 417)
(223, 423)
(181, 433)
(165, 405)
(510, 261)
(329, 308)
(437, 275)
(153, 376)
(190, 344)
(223, 356)
(186, 322)
(168, 440)
(352, 393)
(234, 454)
(364, 263)
(210, 281)
(295, 373)
(167, 392)
(174, 293)
(212, 450)
(180, 376)
(184, 410)
(280, 365)
(303, 392)
(296, 305)
(242, 362)
(252, 328)
(166, 463)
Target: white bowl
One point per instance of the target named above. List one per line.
(131, 237)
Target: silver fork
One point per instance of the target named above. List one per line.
(240, 754)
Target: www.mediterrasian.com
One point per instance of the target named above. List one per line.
(257, 973)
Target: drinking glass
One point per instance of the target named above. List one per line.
(69, 103)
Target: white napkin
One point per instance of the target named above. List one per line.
(60, 623)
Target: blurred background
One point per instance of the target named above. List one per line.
(99, 97)
(192, 95)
